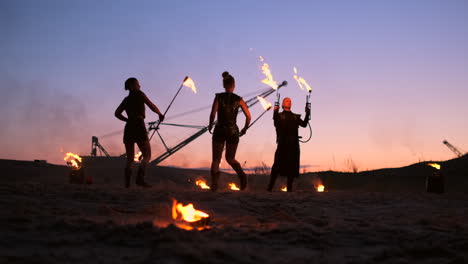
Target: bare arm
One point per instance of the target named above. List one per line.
(154, 108)
(119, 111)
(214, 110)
(248, 117)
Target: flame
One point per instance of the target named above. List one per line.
(202, 184)
(302, 83)
(269, 78)
(284, 189)
(137, 156)
(234, 187)
(435, 165)
(265, 104)
(190, 84)
(320, 188)
(186, 213)
(261, 58)
(73, 162)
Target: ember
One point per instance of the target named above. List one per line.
(187, 217)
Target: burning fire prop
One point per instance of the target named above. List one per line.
(75, 163)
(202, 184)
(302, 83)
(188, 218)
(190, 84)
(233, 187)
(269, 77)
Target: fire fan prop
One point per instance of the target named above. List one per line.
(188, 218)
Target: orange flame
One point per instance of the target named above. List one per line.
(186, 213)
(284, 189)
(302, 83)
(202, 184)
(73, 162)
(435, 165)
(190, 84)
(137, 156)
(265, 104)
(269, 77)
(234, 187)
(320, 188)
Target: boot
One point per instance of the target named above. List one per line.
(272, 182)
(140, 180)
(214, 181)
(128, 175)
(242, 177)
(290, 183)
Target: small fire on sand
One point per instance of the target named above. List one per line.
(435, 165)
(234, 187)
(188, 218)
(202, 184)
(137, 157)
(320, 188)
(75, 163)
(284, 189)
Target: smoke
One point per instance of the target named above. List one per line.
(38, 121)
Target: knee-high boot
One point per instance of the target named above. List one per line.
(214, 181)
(140, 180)
(242, 177)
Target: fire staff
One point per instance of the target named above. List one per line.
(226, 106)
(287, 155)
(135, 129)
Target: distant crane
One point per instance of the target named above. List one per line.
(452, 148)
(95, 146)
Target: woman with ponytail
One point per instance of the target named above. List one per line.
(226, 106)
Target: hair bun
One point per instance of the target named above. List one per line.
(226, 75)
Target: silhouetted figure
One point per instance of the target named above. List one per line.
(287, 155)
(226, 105)
(135, 129)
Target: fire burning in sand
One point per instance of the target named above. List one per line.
(265, 104)
(435, 165)
(234, 187)
(190, 84)
(269, 77)
(320, 188)
(137, 156)
(302, 83)
(284, 189)
(202, 184)
(187, 217)
(75, 162)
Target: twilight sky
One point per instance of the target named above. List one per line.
(390, 78)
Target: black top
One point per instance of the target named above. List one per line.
(134, 105)
(228, 108)
(287, 124)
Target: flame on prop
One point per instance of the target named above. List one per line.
(284, 189)
(190, 84)
(320, 188)
(435, 165)
(202, 184)
(265, 104)
(137, 156)
(186, 213)
(234, 187)
(73, 162)
(269, 77)
(302, 83)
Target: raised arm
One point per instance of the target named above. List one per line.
(214, 110)
(153, 108)
(275, 115)
(303, 123)
(248, 117)
(119, 111)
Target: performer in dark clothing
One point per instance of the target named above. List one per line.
(135, 129)
(226, 105)
(287, 155)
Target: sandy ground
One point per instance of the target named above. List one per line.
(67, 223)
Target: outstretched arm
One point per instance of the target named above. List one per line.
(119, 111)
(154, 108)
(214, 109)
(246, 111)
